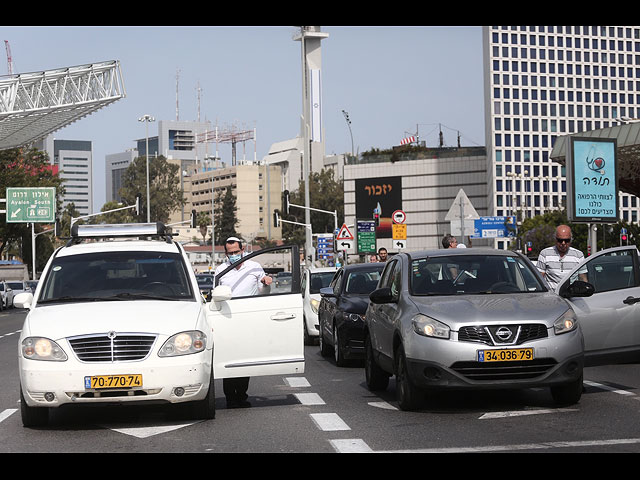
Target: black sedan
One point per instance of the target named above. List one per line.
(342, 308)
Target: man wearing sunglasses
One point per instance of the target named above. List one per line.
(554, 263)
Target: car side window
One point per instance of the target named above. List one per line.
(386, 274)
(335, 283)
(612, 271)
(396, 280)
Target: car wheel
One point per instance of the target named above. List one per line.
(408, 395)
(205, 409)
(568, 394)
(33, 416)
(337, 351)
(376, 378)
(325, 350)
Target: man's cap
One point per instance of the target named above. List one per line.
(233, 239)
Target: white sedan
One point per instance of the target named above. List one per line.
(124, 321)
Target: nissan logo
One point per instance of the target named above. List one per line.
(504, 333)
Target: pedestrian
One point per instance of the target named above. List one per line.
(449, 241)
(382, 254)
(247, 279)
(555, 262)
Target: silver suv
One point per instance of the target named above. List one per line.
(471, 319)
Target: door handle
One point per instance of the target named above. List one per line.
(631, 300)
(283, 316)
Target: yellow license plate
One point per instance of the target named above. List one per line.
(113, 381)
(505, 355)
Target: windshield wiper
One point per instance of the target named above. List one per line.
(69, 299)
(137, 296)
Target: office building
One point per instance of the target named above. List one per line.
(542, 82)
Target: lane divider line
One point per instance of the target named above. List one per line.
(329, 422)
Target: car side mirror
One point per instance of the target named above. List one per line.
(23, 300)
(219, 294)
(381, 295)
(327, 292)
(577, 289)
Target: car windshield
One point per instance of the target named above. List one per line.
(362, 282)
(116, 276)
(205, 281)
(16, 285)
(472, 274)
(320, 280)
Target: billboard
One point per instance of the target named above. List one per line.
(384, 194)
(592, 180)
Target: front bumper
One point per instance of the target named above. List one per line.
(164, 380)
(351, 338)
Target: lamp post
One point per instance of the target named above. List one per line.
(147, 119)
(346, 117)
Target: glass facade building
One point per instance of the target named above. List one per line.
(542, 82)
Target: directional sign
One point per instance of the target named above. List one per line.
(366, 236)
(400, 244)
(344, 233)
(31, 205)
(398, 216)
(344, 244)
(494, 227)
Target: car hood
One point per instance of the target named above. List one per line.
(456, 311)
(141, 316)
(354, 303)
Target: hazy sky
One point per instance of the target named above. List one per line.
(389, 80)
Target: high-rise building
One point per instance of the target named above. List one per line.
(542, 82)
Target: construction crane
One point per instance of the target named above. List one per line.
(9, 59)
(231, 135)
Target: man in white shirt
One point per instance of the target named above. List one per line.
(555, 263)
(247, 279)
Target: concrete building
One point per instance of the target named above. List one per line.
(542, 82)
(423, 185)
(74, 159)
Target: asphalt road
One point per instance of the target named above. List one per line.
(329, 409)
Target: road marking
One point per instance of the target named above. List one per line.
(309, 398)
(149, 431)
(329, 422)
(607, 387)
(10, 333)
(7, 413)
(520, 413)
(383, 405)
(297, 382)
(525, 446)
(350, 445)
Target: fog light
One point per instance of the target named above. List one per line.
(49, 397)
(178, 391)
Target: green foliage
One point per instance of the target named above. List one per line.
(225, 216)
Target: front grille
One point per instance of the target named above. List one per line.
(526, 332)
(120, 347)
(496, 371)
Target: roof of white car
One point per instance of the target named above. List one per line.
(118, 245)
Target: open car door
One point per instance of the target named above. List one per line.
(260, 334)
(610, 317)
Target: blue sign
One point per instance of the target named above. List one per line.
(592, 181)
(494, 227)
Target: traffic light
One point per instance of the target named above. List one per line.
(623, 239)
(376, 217)
(276, 220)
(193, 219)
(529, 247)
(138, 203)
(285, 202)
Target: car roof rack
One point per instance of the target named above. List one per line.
(112, 230)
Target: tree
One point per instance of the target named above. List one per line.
(164, 187)
(225, 216)
(121, 216)
(203, 220)
(25, 168)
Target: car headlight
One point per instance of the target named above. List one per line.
(184, 343)
(566, 322)
(40, 348)
(429, 327)
(314, 305)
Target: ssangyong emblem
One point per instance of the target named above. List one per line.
(504, 333)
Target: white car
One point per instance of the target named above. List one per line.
(122, 321)
(6, 295)
(16, 287)
(312, 281)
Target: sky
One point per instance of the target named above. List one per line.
(392, 81)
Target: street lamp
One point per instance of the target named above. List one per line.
(346, 117)
(147, 119)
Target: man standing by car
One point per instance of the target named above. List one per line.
(554, 263)
(247, 279)
(382, 254)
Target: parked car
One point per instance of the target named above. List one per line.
(122, 321)
(6, 295)
(17, 286)
(205, 284)
(342, 308)
(282, 281)
(471, 319)
(313, 280)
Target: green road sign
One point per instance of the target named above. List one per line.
(366, 231)
(31, 204)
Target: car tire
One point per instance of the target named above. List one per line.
(376, 378)
(409, 396)
(569, 393)
(325, 350)
(338, 354)
(205, 409)
(33, 416)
